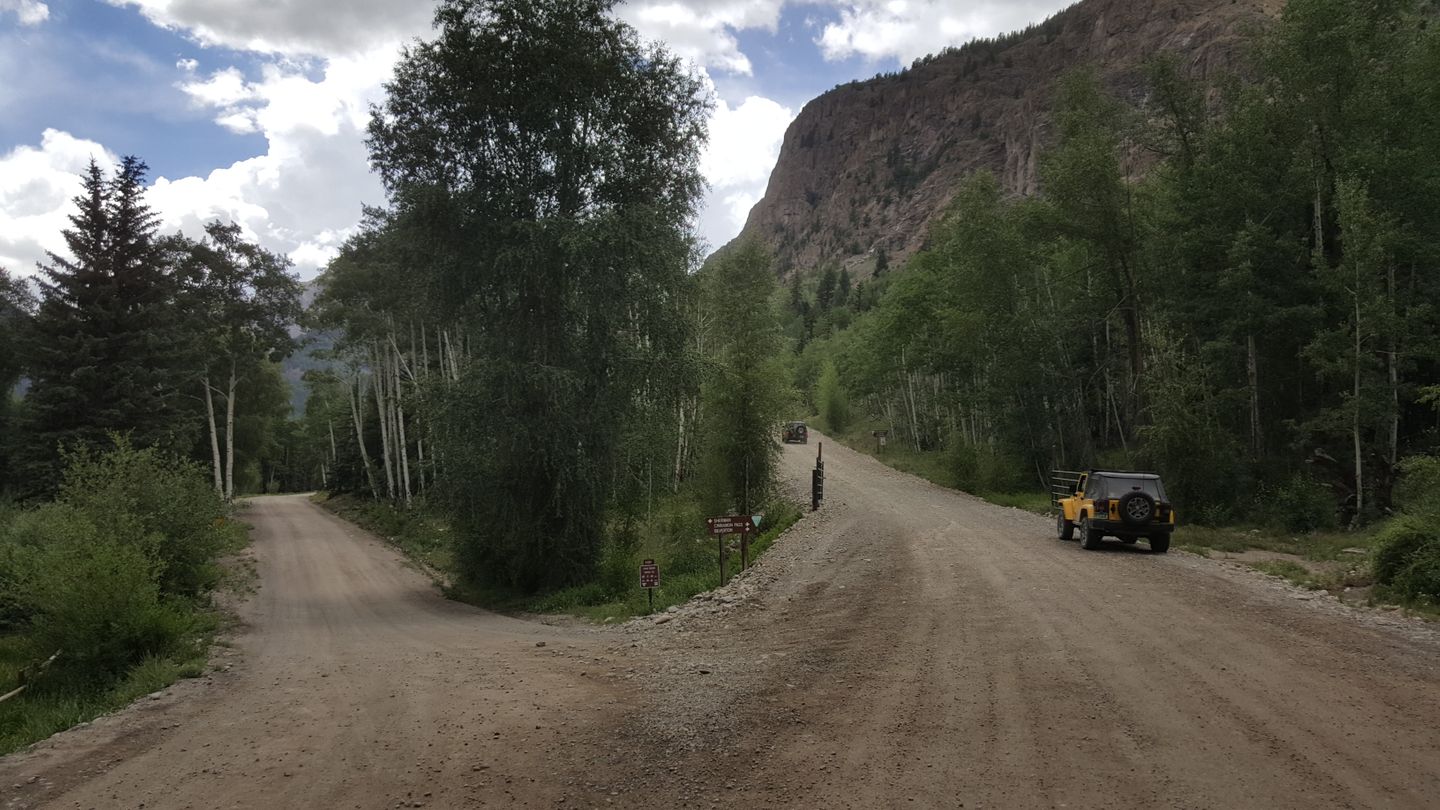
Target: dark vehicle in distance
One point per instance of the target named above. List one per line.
(795, 433)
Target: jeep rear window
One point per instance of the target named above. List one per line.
(1108, 487)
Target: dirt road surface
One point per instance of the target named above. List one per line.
(906, 647)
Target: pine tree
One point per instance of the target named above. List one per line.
(16, 304)
(825, 293)
(104, 344)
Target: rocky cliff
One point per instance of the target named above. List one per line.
(867, 166)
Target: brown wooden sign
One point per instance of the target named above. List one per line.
(731, 524)
(649, 574)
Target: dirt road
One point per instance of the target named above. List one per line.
(907, 647)
(355, 685)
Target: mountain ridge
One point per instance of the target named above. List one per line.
(867, 166)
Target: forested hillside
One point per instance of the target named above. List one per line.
(866, 169)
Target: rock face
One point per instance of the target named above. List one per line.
(869, 165)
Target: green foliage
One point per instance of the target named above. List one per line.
(1408, 560)
(543, 167)
(745, 393)
(1298, 504)
(116, 569)
(99, 602)
(161, 505)
(105, 350)
(832, 401)
(1418, 492)
(1258, 297)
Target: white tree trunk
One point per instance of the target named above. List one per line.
(230, 436)
(401, 445)
(357, 397)
(214, 438)
(378, 372)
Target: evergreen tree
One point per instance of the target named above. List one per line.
(842, 288)
(825, 293)
(16, 306)
(104, 351)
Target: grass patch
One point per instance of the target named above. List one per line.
(1316, 546)
(419, 533)
(1287, 570)
(50, 707)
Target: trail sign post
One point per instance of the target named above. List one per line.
(743, 525)
(880, 437)
(817, 479)
(650, 580)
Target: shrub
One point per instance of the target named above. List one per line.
(831, 399)
(97, 600)
(160, 504)
(1407, 561)
(980, 469)
(1418, 490)
(1300, 504)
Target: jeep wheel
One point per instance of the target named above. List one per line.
(1159, 544)
(1137, 508)
(1089, 538)
(1064, 529)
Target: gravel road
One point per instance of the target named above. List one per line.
(907, 646)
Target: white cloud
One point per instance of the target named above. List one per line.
(36, 187)
(303, 196)
(744, 143)
(291, 27)
(30, 12)
(905, 29)
(703, 31)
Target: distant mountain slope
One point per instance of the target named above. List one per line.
(869, 164)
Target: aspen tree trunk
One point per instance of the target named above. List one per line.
(401, 446)
(356, 399)
(679, 447)
(230, 436)
(214, 437)
(378, 374)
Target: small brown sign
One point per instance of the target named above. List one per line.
(649, 574)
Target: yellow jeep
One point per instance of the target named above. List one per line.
(1127, 505)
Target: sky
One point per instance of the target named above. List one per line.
(253, 111)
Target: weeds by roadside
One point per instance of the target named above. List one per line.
(116, 575)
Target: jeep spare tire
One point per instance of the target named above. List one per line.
(1136, 508)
